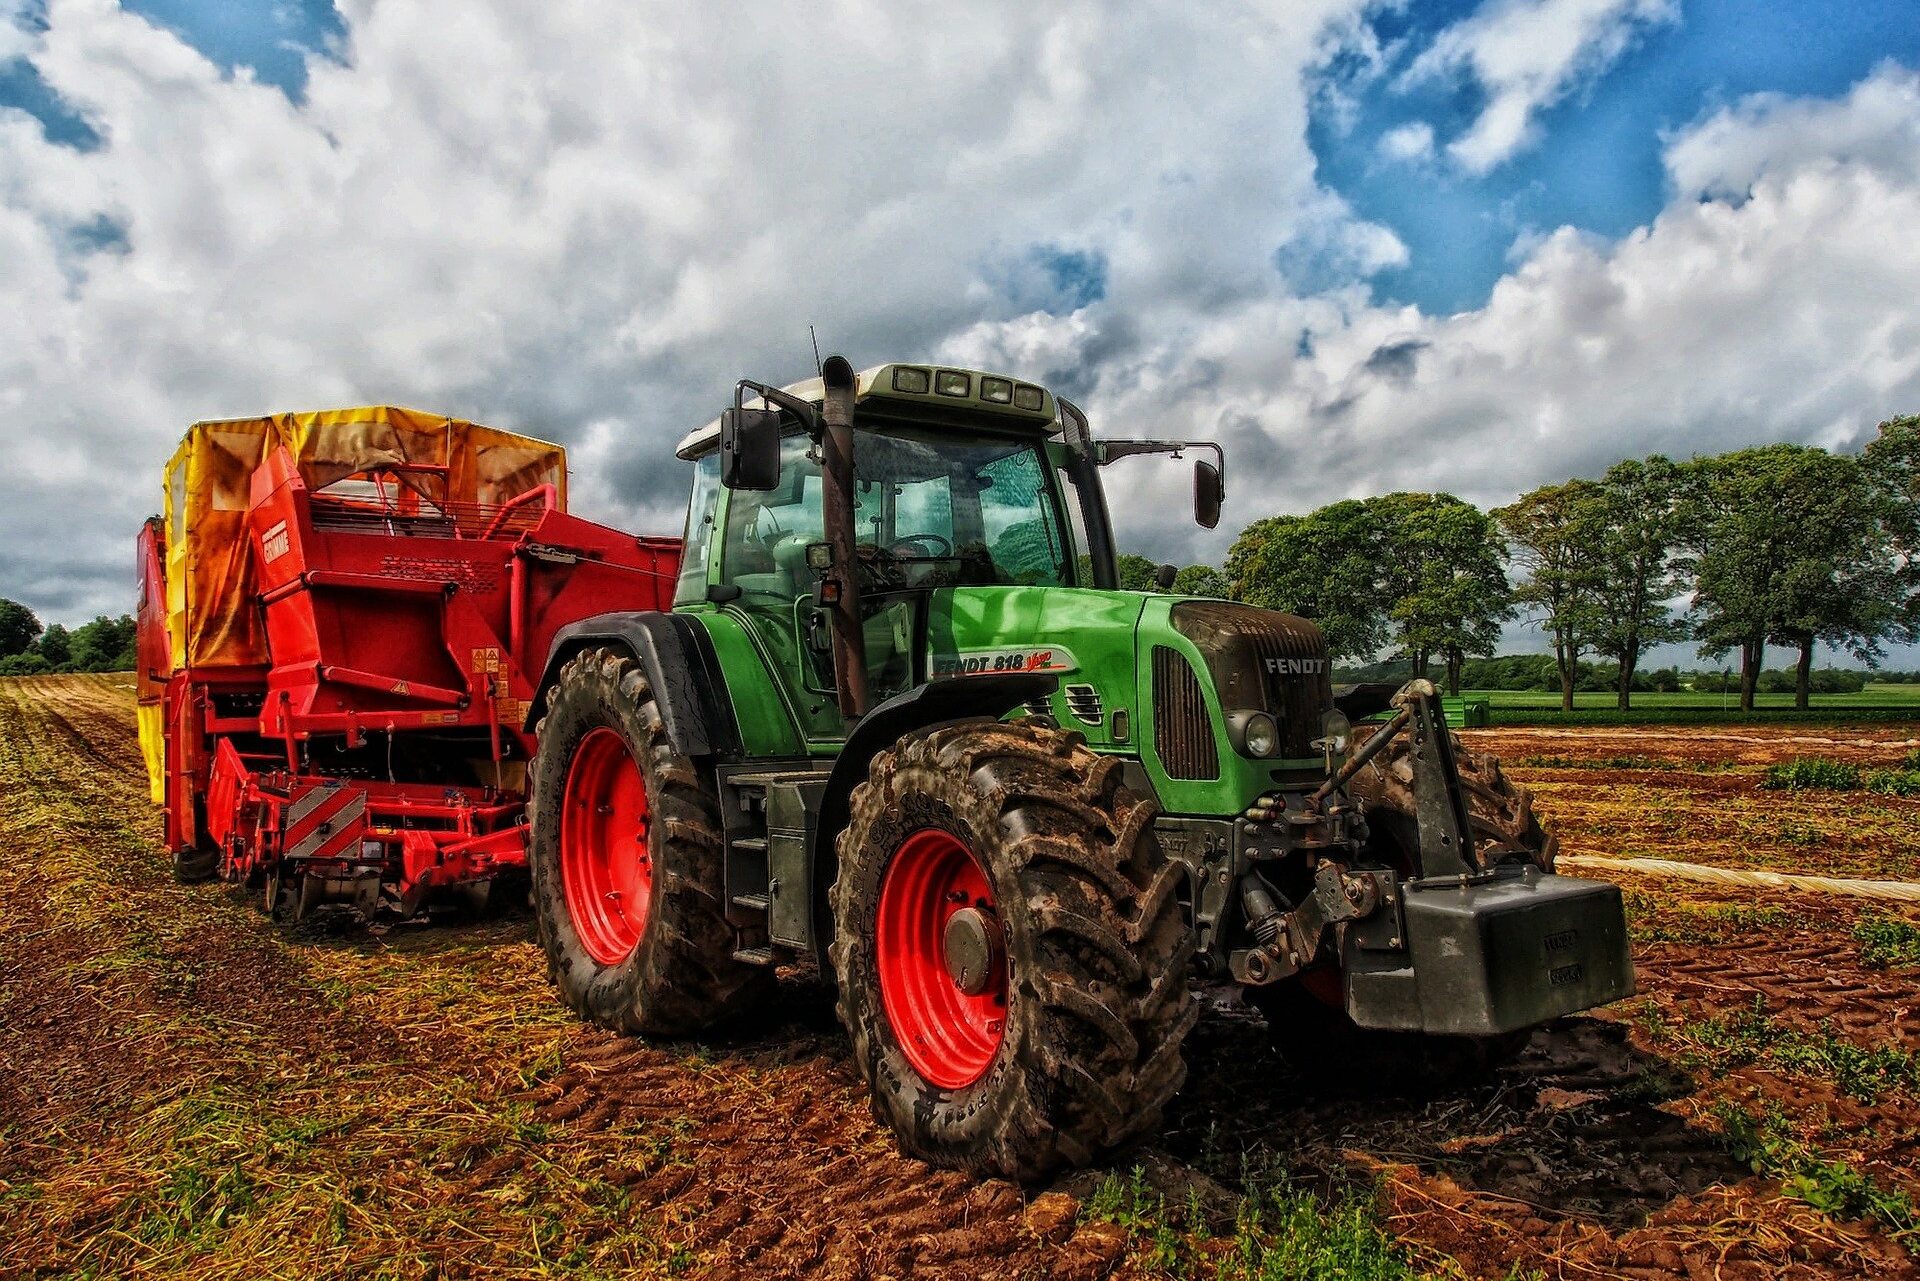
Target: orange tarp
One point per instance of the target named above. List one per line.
(211, 616)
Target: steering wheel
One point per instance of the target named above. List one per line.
(942, 547)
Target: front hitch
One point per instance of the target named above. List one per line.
(1440, 810)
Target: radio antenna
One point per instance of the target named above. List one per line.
(818, 371)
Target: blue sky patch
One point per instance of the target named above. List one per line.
(1595, 163)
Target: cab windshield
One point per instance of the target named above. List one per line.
(930, 510)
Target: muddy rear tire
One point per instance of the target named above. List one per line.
(639, 940)
(1065, 1042)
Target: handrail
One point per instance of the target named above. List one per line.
(548, 491)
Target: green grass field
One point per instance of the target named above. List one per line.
(1877, 702)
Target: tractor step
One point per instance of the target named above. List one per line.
(753, 902)
(755, 955)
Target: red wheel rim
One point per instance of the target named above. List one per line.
(949, 1035)
(605, 865)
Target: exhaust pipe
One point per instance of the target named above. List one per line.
(836, 503)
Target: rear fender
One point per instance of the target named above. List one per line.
(677, 656)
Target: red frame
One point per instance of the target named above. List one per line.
(386, 620)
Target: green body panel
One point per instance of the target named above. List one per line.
(1098, 639)
(1242, 778)
(1094, 628)
(768, 726)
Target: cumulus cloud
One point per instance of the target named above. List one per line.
(1783, 314)
(1407, 144)
(588, 220)
(1527, 55)
(587, 224)
(1875, 126)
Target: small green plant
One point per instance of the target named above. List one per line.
(1766, 1143)
(1893, 782)
(1805, 773)
(1722, 1042)
(1887, 941)
(1281, 1231)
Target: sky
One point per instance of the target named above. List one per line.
(1472, 247)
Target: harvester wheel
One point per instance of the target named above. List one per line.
(190, 867)
(625, 856)
(1011, 949)
(1306, 1014)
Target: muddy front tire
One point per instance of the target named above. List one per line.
(1505, 828)
(625, 854)
(1011, 950)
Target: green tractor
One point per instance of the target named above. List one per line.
(901, 722)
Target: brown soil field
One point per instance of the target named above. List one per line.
(187, 1090)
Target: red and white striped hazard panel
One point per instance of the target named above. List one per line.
(325, 822)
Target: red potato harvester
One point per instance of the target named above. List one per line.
(343, 616)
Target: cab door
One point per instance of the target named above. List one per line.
(765, 579)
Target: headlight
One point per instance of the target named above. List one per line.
(1336, 732)
(1255, 733)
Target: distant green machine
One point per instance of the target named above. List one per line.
(901, 722)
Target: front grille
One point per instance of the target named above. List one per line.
(1264, 660)
(1083, 701)
(1182, 730)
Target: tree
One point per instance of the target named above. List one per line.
(1443, 577)
(1202, 580)
(1554, 535)
(1892, 468)
(1420, 571)
(104, 645)
(1324, 566)
(1135, 573)
(18, 627)
(1789, 544)
(1634, 580)
(55, 645)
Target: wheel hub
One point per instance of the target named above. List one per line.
(972, 949)
(941, 957)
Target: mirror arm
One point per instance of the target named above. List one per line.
(802, 409)
(1113, 450)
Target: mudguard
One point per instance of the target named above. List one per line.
(677, 656)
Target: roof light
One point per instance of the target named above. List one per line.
(1025, 397)
(952, 382)
(913, 380)
(997, 390)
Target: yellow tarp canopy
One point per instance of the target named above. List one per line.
(211, 617)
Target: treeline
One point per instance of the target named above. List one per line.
(29, 649)
(1781, 545)
(1522, 673)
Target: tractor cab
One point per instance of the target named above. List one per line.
(965, 487)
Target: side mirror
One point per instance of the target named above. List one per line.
(1164, 577)
(1208, 493)
(750, 448)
